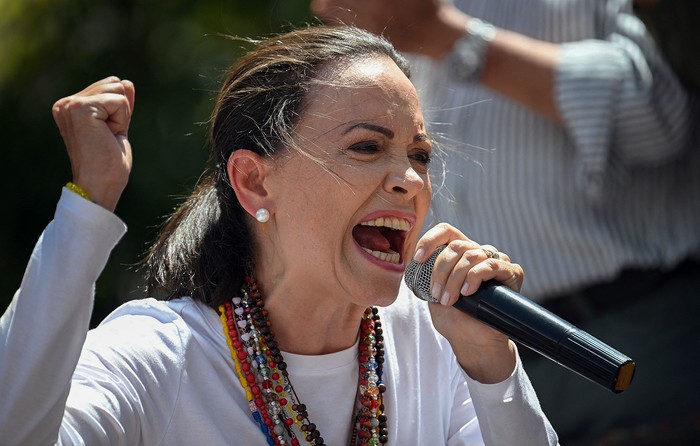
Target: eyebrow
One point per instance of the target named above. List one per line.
(383, 130)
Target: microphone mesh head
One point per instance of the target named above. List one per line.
(417, 276)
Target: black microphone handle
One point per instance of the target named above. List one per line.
(535, 327)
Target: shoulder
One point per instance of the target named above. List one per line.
(151, 333)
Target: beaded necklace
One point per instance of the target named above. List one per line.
(262, 372)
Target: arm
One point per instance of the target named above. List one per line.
(513, 403)
(614, 91)
(431, 27)
(500, 390)
(44, 328)
(484, 353)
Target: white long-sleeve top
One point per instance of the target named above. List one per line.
(615, 186)
(160, 373)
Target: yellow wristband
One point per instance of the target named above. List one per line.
(78, 190)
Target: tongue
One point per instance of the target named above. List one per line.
(371, 238)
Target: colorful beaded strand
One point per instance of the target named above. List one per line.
(238, 355)
(383, 427)
(257, 372)
(370, 427)
(258, 317)
(262, 371)
(271, 397)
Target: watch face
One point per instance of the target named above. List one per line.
(468, 52)
(464, 58)
(467, 57)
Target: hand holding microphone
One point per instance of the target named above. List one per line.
(531, 325)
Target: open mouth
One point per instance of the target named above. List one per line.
(382, 237)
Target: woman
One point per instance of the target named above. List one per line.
(280, 274)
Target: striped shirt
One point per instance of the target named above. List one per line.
(616, 186)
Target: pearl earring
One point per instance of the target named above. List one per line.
(262, 215)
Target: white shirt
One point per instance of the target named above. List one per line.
(160, 373)
(615, 187)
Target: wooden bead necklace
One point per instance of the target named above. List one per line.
(262, 372)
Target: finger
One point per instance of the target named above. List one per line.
(130, 93)
(111, 92)
(456, 282)
(438, 235)
(453, 277)
(86, 123)
(113, 109)
(109, 84)
(450, 268)
(119, 115)
(509, 274)
(492, 252)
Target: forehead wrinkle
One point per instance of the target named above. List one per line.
(323, 114)
(324, 92)
(354, 79)
(305, 123)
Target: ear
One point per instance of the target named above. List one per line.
(247, 172)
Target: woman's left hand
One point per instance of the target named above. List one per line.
(487, 355)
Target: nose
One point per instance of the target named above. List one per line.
(404, 180)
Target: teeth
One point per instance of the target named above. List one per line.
(391, 256)
(389, 222)
(395, 223)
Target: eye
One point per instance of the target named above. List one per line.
(365, 147)
(422, 157)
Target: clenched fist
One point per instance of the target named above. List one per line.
(94, 124)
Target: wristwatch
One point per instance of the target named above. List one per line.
(466, 59)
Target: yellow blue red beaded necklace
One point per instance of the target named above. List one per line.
(262, 372)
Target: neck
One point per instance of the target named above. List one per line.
(312, 325)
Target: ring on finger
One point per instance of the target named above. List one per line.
(491, 254)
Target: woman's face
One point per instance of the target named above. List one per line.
(348, 211)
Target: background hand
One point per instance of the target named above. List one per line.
(94, 124)
(427, 27)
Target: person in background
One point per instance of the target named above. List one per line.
(284, 317)
(567, 140)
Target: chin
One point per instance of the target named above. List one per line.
(386, 302)
(384, 294)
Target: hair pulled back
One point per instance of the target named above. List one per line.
(206, 246)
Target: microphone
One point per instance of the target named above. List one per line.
(535, 327)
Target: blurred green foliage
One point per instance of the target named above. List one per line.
(174, 52)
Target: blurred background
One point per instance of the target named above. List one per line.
(174, 52)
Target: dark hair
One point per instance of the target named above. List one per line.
(205, 247)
